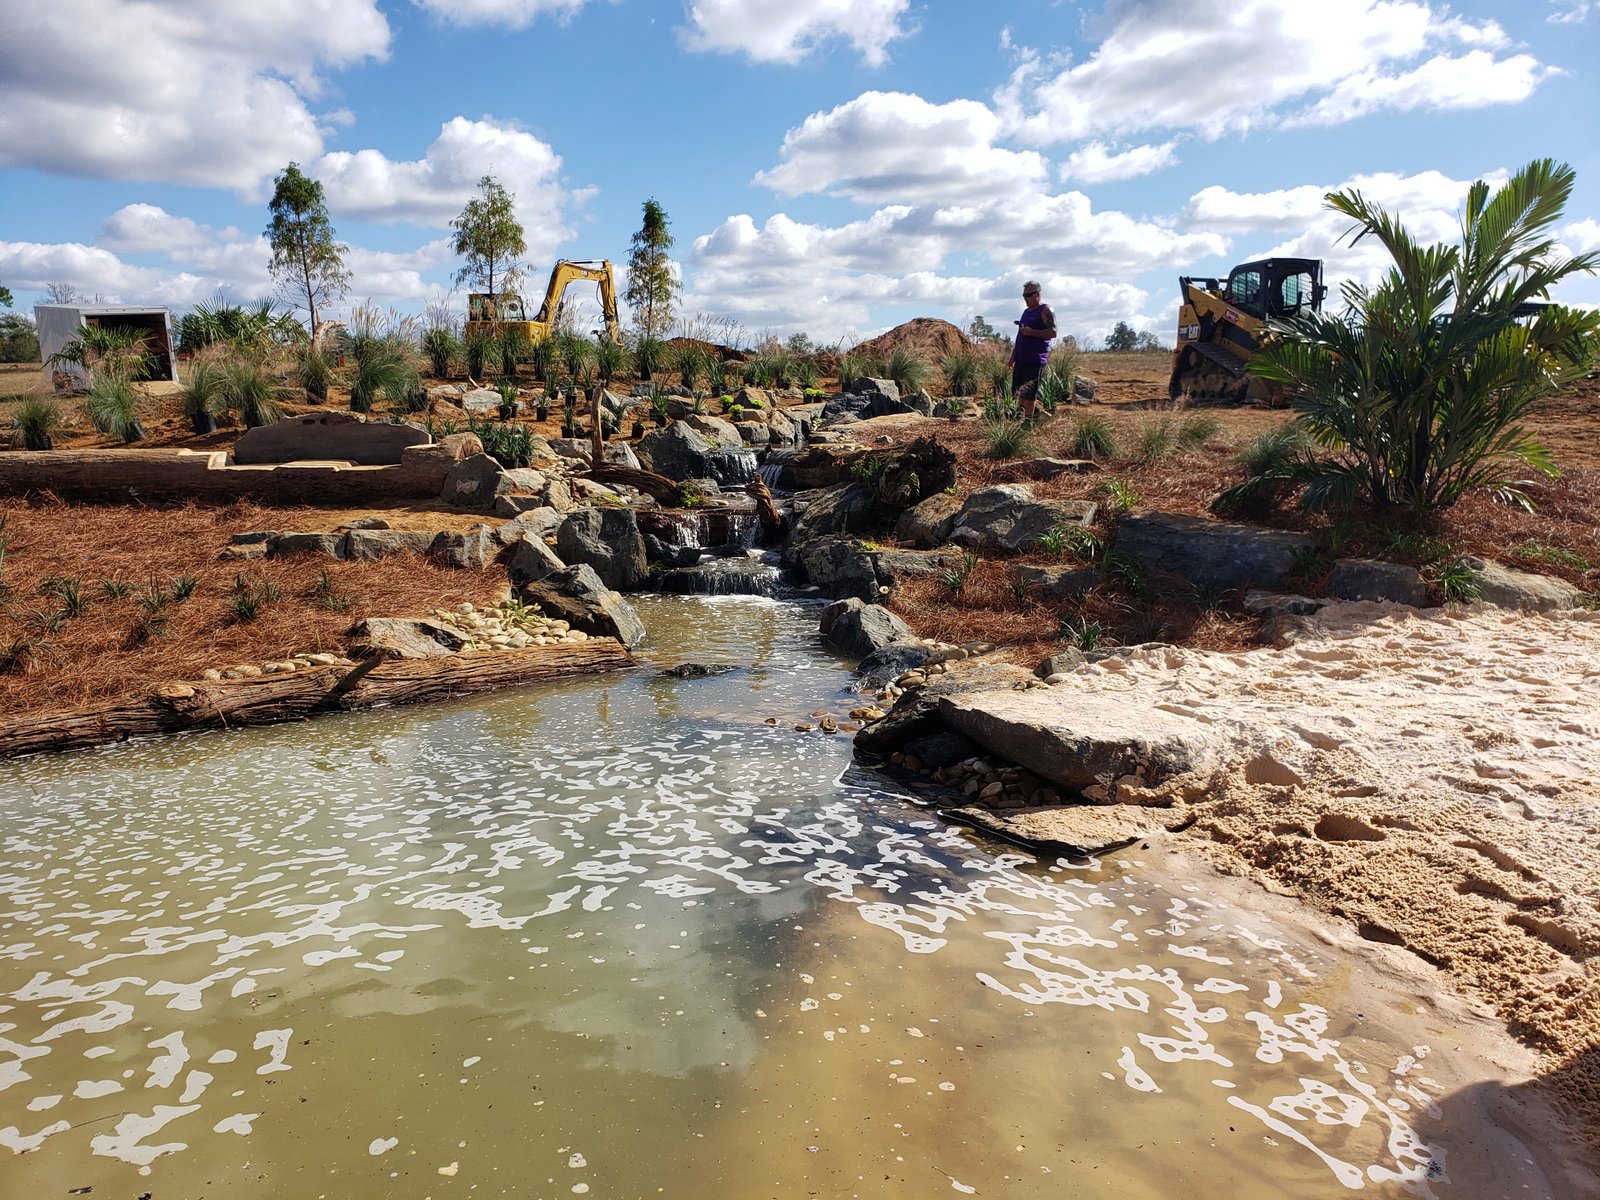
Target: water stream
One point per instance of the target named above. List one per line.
(619, 937)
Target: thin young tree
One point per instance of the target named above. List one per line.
(307, 259)
(652, 287)
(489, 237)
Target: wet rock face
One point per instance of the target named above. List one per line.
(859, 629)
(577, 596)
(682, 452)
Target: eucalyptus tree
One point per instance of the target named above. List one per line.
(307, 258)
(490, 238)
(652, 287)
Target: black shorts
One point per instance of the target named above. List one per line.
(1024, 373)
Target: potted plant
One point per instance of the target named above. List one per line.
(569, 415)
(660, 406)
(638, 423)
(36, 419)
(509, 405)
(204, 393)
(541, 409)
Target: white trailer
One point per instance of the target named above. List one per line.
(58, 324)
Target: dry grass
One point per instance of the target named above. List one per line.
(108, 654)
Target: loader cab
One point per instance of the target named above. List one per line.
(1276, 287)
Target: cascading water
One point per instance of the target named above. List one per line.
(728, 532)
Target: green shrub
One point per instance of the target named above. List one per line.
(36, 420)
(441, 345)
(1093, 437)
(1004, 437)
(1155, 440)
(909, 370)
(113, 406)
(1196, 429)
(960, 369)
(251, 394)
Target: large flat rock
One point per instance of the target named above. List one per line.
(1211, 554)
(328, 435)
(1098, 750)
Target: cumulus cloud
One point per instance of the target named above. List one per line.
(146, 255)
(1582, 236)
(514, 14)
(213, 94)
(1220, 67)
(892, 146)
(432, 190)
(1098, 163)
(787, 31)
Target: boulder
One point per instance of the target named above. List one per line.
(1046, 468)
(368, 545)
(1371, 579)
(1271, 604)
(1009, 517)
(530, 560)
(720, 431)
(754, 397)
(858, 629)
(281, 545)
(838, 567)
(474, 482)
(608, 540)
(329, 436)
(1083, 390)
(576, 595)
(679, 451)
(1061, 664)
(886, 664)
(840, 509)
(876, 389)
(1058, 583)
(480, 400)
(1506, 587)
(929, 523)
(537, 524)
(894, 567)
(470, 551)
(754, 433)
(576, 449)
(525, 480)
(1095, 750)
(846, 407)
(401, 637)
(1210, 554)
(782, 431)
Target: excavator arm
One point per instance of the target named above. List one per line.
(567, 272)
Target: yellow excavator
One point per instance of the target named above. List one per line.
(1221, 326)
(491, 313)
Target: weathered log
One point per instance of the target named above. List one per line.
(772, 522)
(659, 488)
(901, 476)
(267, 699)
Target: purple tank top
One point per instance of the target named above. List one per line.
(1026, 348)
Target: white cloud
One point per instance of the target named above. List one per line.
(1582, 236)
(892, 146)
(788, 30)
(1473, 80)
(212, 94)
(368, 185)
(1098, 163)
(1220, 67)
(1428, 202)
(1569, 12)
(514, 14)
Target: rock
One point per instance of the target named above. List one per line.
(719, 431)
(846, 408)
(1060, 664)
(470, 551)
(876, 389)
(525, 480)
(447, 393)
(576, 595)
(857, 629)
(1210, 554)
(832, 510)
(330, 435)
(783, 431)
(558, 495)
(1095, 750)
(943, 749)
(1271, 603)
(575, 449)
(838, 566)
(530, 560)
(535, 524)
(588, 490)
(607, 540)
(1008, 517)
(1506, 587)
(1047, 468)
(1371, 579)
(754, 433)
(1059, 583)
(368, 545)
(696, 670)
(366, 523)
(474, 482)
(281, 545)
(894, 567)
(1083, 390)
(681, 452)
(755, 398)
(480, 401)
(1079, 830)
(1284, 628)
(401, 637)
(886, 664)
(929, 523)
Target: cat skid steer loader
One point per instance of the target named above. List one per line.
(1222, 325)
(491, 314)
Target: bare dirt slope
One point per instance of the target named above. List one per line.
(927, 336)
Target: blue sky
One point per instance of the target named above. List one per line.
(831, 166)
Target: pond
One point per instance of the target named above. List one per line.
(620, 937)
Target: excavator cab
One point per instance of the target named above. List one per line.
(1276, 287)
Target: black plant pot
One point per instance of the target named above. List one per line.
(638, 430)
(203, 422)
(37, 441)
(569, 431)
(134, 432)
(661, 420)
(542, 413)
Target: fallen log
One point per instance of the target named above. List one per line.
(659, 488)
(265, 700)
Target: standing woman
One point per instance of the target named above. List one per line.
(1031, 350)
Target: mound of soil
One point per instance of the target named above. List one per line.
(724, 353)
(927, 336)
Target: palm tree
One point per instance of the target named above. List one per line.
(1420, 388)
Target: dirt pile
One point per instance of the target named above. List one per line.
(927, 336)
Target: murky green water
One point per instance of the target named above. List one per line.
(619, 937)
